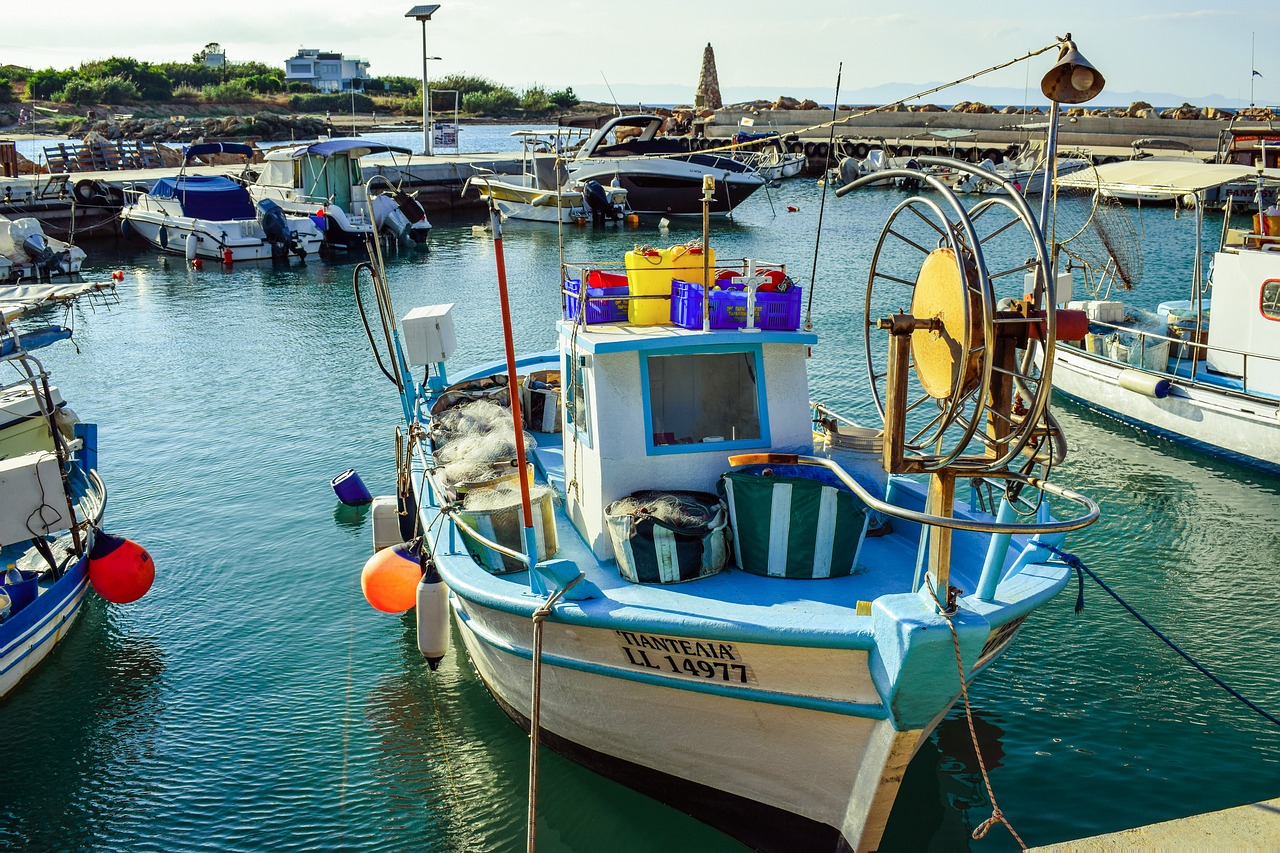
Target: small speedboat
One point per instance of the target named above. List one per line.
(213, 217)
(28, 254)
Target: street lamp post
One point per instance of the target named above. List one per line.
(423, 14)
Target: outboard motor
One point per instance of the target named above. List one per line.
(597, 200)
(911, 184)
(410, 206)
(389, 218)
(850, 170)
(274, 224)
(46, 261)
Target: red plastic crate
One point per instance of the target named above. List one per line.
(774, 310)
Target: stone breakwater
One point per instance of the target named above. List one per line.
(273, 127)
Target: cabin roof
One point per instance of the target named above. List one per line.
(1164, 175)
(624, 337)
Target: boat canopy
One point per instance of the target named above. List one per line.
(211, 197)
(1171, 176)
(201, 148)
(352, 147)
(19, 299)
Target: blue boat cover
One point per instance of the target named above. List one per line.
(200, 148)
(211, 197)
(344, 146)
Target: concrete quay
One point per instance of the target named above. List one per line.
(1251, 827)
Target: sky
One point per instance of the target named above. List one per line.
(653, 49)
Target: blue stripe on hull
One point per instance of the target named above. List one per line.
(1176, 437)
(35, 617)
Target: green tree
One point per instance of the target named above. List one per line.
(201, 55)
(101, 90)
(152, 83)
(48, 84)
(564, 98)
(535, 101)
(6, 91)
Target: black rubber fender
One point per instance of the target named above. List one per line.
(84, 190)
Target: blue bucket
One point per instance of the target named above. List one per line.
(22, 592)
(350, 489)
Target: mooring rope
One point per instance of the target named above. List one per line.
(535, 712)
(1081, 569)
(997, 816)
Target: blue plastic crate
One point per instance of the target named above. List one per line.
(600, 309)
(774, 310)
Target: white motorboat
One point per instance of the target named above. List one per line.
(543, 192)
(211, 216)
(659, 173)
(325, 179)
(1206, 378)
(28, 254)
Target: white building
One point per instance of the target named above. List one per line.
(327, 71)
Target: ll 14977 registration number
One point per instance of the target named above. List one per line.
(689, 658)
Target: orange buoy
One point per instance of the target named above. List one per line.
(197, 264)
(390, 578)
(227, 257)
(120, 569)
(791, 208)
(118, 275)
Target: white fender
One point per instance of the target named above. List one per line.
(190, 247)
(433, 618)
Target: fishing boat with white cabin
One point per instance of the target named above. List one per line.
(662, 571)
(51, 496)
(1203, 371)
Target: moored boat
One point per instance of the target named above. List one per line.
(693, 598)
(51, 496)
(212, 217)
(1204, 371)
(659, 173)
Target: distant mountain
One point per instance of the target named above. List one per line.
(657, 95)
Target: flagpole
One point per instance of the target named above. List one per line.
(1253, 65)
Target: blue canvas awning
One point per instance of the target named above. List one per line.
(353, 146)
(211, 197)
(199, 148)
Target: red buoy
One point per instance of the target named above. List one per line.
(227, 257)
(120, 569)
(390, 578)
(197, 264)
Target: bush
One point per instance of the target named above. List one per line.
(185, 92)
(499, 102)
(151, 82)
(564, 98)
(299, 88)
(48, 84)
(338, 102)
(263, 84)
(230, 92)
(6, 91)
(535, 101)
(394, 85)
(190, 75)
(465, 84)
(68, 125)
(102, 90)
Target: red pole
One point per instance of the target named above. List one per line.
(505, 305)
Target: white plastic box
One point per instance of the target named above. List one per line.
(428, 334)
(32, 501)
(1100, 311)
(1065, 285)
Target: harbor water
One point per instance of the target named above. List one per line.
(254, 701)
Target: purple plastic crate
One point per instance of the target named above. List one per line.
(774, 310)
(599, 308)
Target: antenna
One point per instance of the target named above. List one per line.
(611, 95)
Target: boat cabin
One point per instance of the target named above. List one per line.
(663, 407)
(321, 173)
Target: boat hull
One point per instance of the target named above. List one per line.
(774, 774)
(169, 234)
(28, 637)
(662, 187)
(1229, 425)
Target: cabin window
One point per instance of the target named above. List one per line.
(704, 400)
(1270, 302)
(576, 404)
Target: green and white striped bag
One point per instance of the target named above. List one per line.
(792, 527)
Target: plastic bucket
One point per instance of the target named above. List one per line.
(350, 489)
(23, 592)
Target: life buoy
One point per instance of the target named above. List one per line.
(809, 149)
(84, 190)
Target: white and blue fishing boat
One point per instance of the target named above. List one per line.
(212, 216)
(51, 497)
(660, 569)
(1204, 371)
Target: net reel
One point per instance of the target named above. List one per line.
(965, 386)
